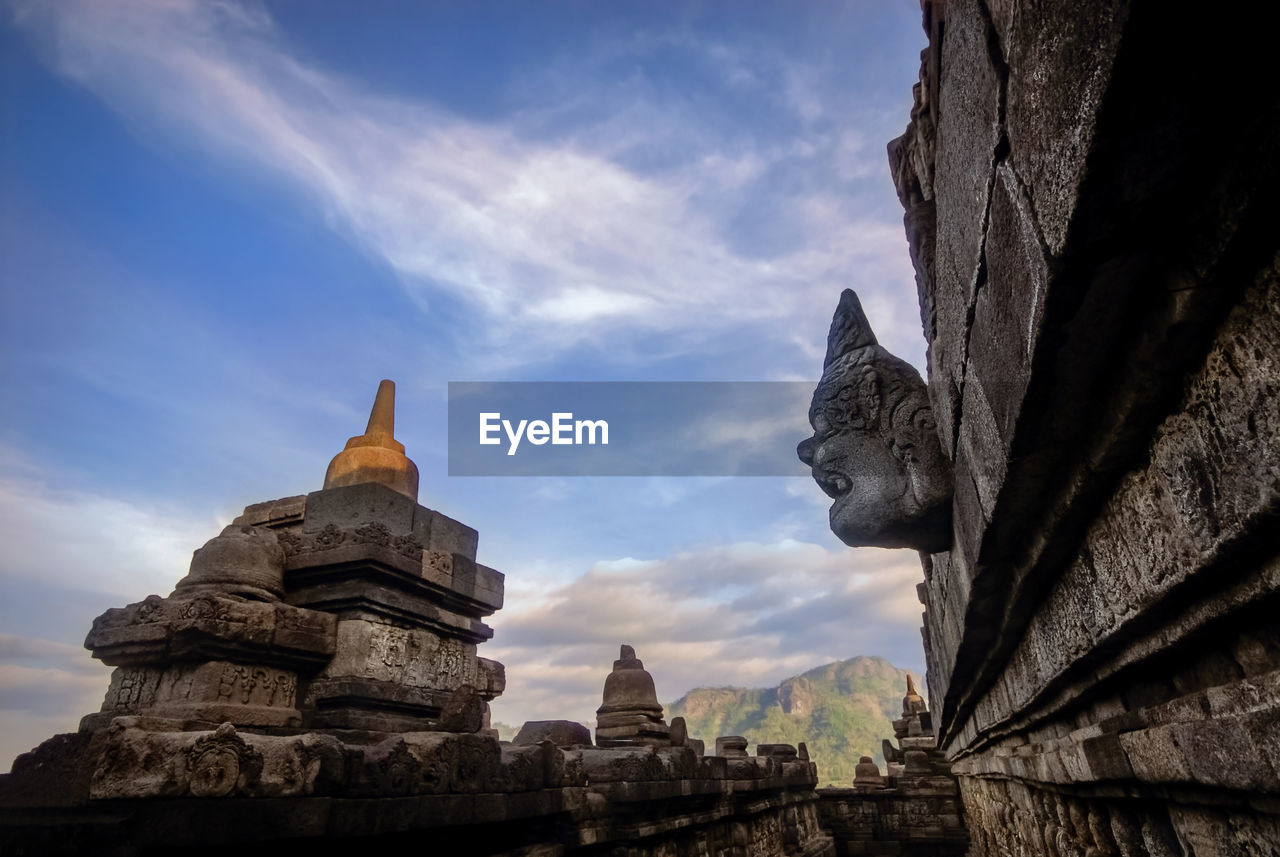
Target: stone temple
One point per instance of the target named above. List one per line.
(314, 680)
(1090, 472)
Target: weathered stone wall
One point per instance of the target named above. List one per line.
(1091, 199)
(132, 790)
(894, 822)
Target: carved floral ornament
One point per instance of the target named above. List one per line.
(875, 448)
(331, 536)
(220, 762)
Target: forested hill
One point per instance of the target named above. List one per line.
(840, 710)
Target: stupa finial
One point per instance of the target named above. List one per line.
(382, 418)
(376, 456)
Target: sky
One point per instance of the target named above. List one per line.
(223, 222)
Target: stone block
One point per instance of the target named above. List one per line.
(1221, 752)
(679, 763)
(214, 691)
(713, 768)
(529, 766)
(782, 752)
(287, 511)
(622, 764)
(562, 733)
(983, 452)
(209, 626)
(442, 533)
(747, 768)
(352, 702)
(465, 711)
(412, 658)
(731, 746)
(1054, 91)
(1106, 758)
(489, 587)
(137, 763)
(968, 132)
(1009, 305)
(1155, 756)
(353, 506)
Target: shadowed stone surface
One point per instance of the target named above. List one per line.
(867, 774)
(679, 734)
(731, 746)
(562, 733)
(914, 809)
(1096, 261)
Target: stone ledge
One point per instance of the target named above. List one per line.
(202, 627)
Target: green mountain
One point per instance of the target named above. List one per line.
(840, 710)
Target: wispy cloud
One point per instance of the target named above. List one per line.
(67, 555)
(45, 687)
(744, 614)
(550, 239)
(78, 539)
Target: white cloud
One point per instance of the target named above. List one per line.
(45, 687)
(744, 614)
(82, 540)
(548, 237)
(58, 541)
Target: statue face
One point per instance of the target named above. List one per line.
(875, 447)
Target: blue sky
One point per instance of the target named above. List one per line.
(221, 223)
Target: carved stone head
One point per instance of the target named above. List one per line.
(875, 448)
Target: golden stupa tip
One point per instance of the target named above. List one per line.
(381, 429)
(376, 456)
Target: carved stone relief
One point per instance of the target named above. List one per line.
(875, 448)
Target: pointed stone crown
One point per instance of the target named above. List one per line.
(850, 330)
(376, 456)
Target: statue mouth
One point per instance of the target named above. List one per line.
(834, 485)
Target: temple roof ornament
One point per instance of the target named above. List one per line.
(376, 456)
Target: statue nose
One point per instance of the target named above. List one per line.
(805, 450)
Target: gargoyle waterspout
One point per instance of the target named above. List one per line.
(875, 448)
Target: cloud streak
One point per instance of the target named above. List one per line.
(544, 241)
(45, 687)
(81, 540)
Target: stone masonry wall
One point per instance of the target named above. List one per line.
(893, 823)
(129, 790)
(1091, 198)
